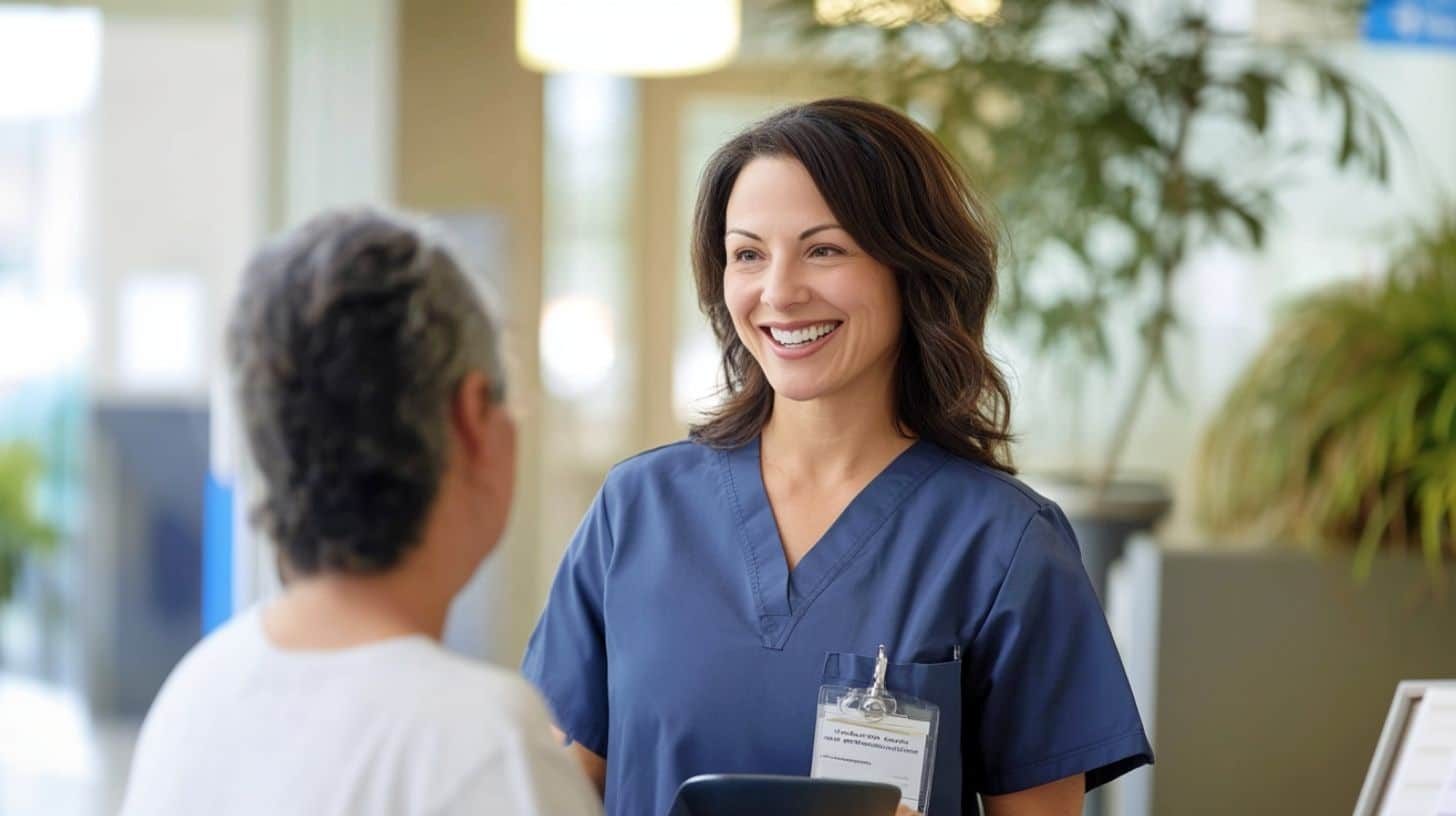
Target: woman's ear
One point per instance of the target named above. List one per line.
(471, 412)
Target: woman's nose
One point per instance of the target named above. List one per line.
(784, 286)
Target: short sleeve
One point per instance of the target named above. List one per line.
(1046, 696)
(566, 657)
(527, 775)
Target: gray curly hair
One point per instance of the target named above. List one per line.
(348, 341)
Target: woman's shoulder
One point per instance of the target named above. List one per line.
(1000, 507)
(994, 488)
(236, 642)
(670, 463)
(451, 688)
(424, 692)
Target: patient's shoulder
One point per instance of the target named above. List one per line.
(479, 706)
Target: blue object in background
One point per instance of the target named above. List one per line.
(176, 561)
(217, 553)
(144, 584)
(1429, 23)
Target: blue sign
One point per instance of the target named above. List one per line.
(1414, 22)
(217, 553)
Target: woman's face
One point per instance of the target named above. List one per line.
(817, 313)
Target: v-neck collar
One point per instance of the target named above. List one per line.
(783, 596)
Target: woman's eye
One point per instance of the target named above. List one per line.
(745, 255)
(823, 251)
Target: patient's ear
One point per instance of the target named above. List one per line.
(472, 415)
(485, 450)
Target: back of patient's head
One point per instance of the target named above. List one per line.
(349, 339)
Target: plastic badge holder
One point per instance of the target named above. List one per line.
(875, 735)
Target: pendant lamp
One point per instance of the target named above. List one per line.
(641, 38)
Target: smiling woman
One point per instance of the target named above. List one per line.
(885, 224)
(850, 497)
(815, 311)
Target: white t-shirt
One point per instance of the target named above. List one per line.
(395, 727)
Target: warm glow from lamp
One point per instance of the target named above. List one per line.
(896, 13)
(975, 10)
(578, 345)
(627, 37)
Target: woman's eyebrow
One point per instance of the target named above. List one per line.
(805, 234)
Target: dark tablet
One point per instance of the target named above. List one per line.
(744, 794)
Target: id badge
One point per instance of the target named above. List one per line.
(876, 735)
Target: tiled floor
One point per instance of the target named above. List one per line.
(54, 761)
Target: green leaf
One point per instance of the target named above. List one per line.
(1444, 413)
(1345, 422)
(1114, 132)
(1369, 545)
(22, 530)
(1403, 417)
(9, 569)
(1251, 223)
(1256, 87)
(1433, 511)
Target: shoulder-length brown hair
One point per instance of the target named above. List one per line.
(894, 189)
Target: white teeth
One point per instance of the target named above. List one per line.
(799, 337)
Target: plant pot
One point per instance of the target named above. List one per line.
(1273, 668)
(1105, 523)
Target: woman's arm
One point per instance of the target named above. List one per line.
(1060, 798)
(592, 765)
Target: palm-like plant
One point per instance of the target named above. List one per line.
(1343, 429)
(1088, 128)
(22, 531)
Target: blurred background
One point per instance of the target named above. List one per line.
(1228, 311)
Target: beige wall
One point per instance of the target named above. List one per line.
(176, 172)
(470, 135)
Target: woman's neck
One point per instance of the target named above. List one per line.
(838, 437)
(339, 611)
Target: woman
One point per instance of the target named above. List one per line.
(853, 489)
(371, 390)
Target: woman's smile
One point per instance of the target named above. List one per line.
(797, 340)
(819, 314)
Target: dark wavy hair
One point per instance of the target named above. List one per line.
(894, 189)
(347, 343)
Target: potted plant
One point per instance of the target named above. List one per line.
(1342, 431)
(23, 532)
(1088, 128)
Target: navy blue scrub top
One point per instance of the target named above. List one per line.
(677, 642)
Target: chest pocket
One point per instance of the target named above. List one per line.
(939, 683)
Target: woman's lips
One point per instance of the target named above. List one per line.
(799, 351)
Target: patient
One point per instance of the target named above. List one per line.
(370, 387)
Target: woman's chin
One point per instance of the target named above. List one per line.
(799, 389)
